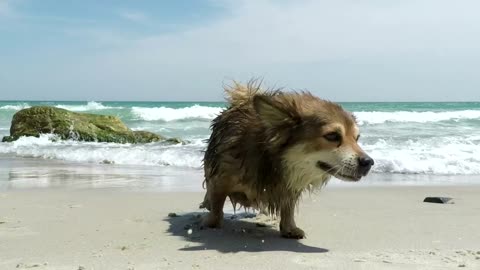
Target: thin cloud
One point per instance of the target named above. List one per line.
(346, 50)
(13, 9)
(134, 16)
(6, 9)
(266, 33)
(291, 43)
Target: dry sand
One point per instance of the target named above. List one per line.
(347, 228)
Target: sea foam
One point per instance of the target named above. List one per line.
(172, 114)
(90, 106)
(405, 142)
(445, 156)
(153, 154)
(373, 117)
(440, 156)
(376, 117)
(16, 107)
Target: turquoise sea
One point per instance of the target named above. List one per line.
(403, 138)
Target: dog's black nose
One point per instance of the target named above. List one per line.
(364, 164)
(365, 161)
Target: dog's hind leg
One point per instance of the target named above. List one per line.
(216, 200)
(288, 228)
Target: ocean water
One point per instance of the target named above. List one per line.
(403, 138)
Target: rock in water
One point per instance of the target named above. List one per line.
(442, 200)
(76, 126)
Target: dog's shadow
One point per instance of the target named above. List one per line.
(239, 233)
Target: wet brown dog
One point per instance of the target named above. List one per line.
(268, 147)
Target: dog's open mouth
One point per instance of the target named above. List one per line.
(336, 172)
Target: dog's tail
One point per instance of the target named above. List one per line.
(238, 94)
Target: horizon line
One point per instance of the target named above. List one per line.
(223, 101)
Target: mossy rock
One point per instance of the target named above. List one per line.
(76, 126)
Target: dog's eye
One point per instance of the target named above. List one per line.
(333, 137)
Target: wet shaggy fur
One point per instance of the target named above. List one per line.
(252, 151)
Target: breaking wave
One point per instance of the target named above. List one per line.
(374, 117)
(444, 156)
(418, 117)
(431, 141)
(16, 107)
(171, 114)
(90, 106)
(441, 156)
(158, 154)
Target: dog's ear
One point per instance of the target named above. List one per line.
(270, 112)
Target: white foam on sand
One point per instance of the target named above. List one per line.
(157, 154)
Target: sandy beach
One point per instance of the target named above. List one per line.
(347, 228)
(114, 116)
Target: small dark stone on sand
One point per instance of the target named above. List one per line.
(2, 222)
(21, 265)
(442, 200)
(461, 265)
(106, 161)
(172, 215)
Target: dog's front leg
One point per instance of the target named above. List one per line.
(288, 228)
(216, 200)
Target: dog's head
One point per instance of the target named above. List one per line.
(313, 136)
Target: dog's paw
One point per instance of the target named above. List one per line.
(212, 221)
(294, 233)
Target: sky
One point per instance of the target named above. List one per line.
(187, 50)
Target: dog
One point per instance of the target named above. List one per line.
(269, 146)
